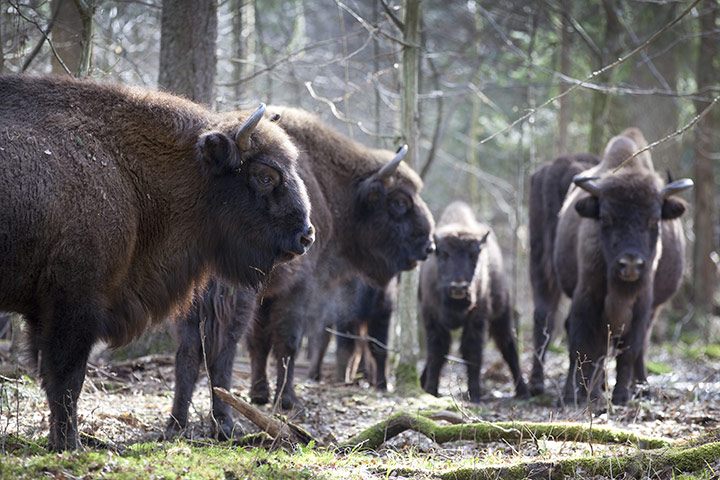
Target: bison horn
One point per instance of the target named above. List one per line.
(676, 187)
(587, 184)
(389, 168)
(242, 137)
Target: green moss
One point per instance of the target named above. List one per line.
(407, 380)
(657, 368)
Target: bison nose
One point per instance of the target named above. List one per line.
(430, 247)
(305, 239)
(458, 290)
(630, 267)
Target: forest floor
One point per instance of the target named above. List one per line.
(126, 405)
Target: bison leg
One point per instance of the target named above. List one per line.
(546, 304)
(64, 347)
(285, 348)
(317, 344)
(438, 345)
(187, 367)
(344, 352)
(471, 348)
(502, 333)
(588, 347)
(632, 348)
(220, 371)
(259, 342)
(378, 330)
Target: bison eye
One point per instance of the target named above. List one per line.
(263, 177)
(400, 204)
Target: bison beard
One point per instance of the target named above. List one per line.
(117, 202)
(463, 285)
(371, 222)
(618, 253)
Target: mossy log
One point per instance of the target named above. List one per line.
(379, 433)
(663, 463)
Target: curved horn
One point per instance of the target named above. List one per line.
(242, 137)
(676, 187)
(390, 167)
(587, 184)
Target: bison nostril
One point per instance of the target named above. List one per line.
(430, 248)
(631, 267)
(307, 238)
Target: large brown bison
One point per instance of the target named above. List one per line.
(370, 222)
(463, 285)
(117, 202)
(619, 254)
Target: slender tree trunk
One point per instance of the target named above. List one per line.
(72, 36)
(601, 101)
(407, 380)
(704, 270)
(188, 57)
(2, 23)
(244, 44)
(561, 146)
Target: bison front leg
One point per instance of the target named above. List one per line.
(259, 342)
(502, 333)
(64, 347)
(632, 353)
(546, 303)
(285, 346)
(187, 367)
(438, 345)
(471, 348)
(220, 371)
(588, 346)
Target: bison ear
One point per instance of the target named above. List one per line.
(588, 207)
(218, 153)
(672, 208)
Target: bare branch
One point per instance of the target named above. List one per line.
(26, 64)
(31, 56)
(391, 15)
(597, 73)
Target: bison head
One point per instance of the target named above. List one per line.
(258, 210)
(629, 209)
(392, 225)
(458, 259)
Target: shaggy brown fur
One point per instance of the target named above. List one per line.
(116, 203)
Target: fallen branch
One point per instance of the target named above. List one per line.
(277, 429)
(379, 433)
(665, 463)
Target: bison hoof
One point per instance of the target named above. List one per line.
(522, 391)
(381, 387)
(226, 429)
(173, 429)
(620, 396)
(260, 397)
(537, 388)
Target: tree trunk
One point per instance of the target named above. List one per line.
(407, 380)
(601, 101)
(72, 36)
(188, 57)
(561, 146)
(244, 44)
(704, 269)
(2, 52)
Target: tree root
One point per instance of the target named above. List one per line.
(376, 435)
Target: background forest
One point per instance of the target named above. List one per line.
(484, 92)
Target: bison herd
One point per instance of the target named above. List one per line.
(122, 207)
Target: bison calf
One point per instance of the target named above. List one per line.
(463, 286)
(117, 202)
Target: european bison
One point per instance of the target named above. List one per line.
(619, 254)
(464, 286)
(370, 221)
(117, 202)
(548, 187)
